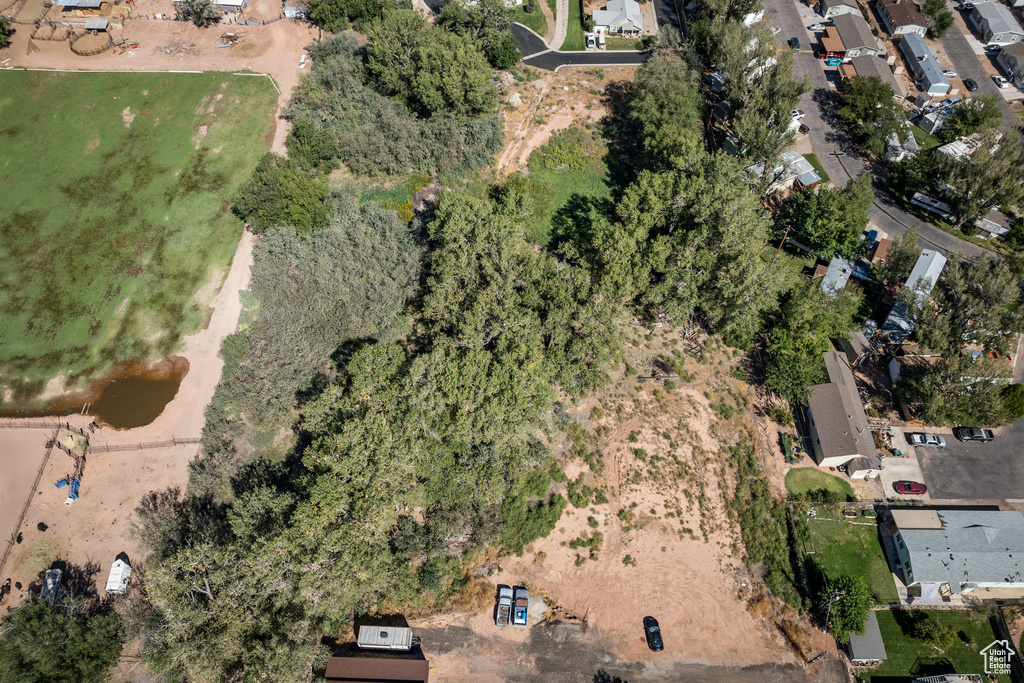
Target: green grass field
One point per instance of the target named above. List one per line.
(620, 43)
(813, 160)
(844, 548)
(924, 141)
(574, 39)
(535, 22)
(909, 656)
(115, 196)
(803, 479)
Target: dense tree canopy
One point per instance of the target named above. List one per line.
(989, 177)
(851, 601)
(979, 114)
(280, 192)
(667, 107)
(830, 220)
(871, 111)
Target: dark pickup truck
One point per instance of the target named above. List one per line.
(973, 434)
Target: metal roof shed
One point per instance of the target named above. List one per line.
(377, 670)
(869, 647)
(96, 24)
(117, 580)
(836, 277)
(385, 638)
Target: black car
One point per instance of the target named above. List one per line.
(970, 84)
(795, 43)
(966, 7)
(653, 634)
(973, 434)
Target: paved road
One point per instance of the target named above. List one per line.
(529, 42)
(537, 54)
(968, 65)
(976, 471)
(828, 134)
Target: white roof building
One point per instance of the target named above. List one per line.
(900, 322)
(117, 580)
(791, 169)
(619, 16)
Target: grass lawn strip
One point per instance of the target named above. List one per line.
(844, 548)
(923, 139)
(115, 198)
(906, 653)
(574, 39)
(535, 22)
(619, 43)
(813, 160)
(803, 479)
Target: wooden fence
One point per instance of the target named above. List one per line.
(141, 446)
(28, 502)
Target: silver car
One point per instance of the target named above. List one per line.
(926, 440)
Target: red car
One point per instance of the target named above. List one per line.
(910, 488)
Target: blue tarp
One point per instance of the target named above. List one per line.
(73, 493)
(61, 483)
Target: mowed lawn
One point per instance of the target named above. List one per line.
(842, 548)
(115, 196)
(909, 656)
(802, 480)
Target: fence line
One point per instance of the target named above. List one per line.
(174, 441)
(32, 494)
(29, 424)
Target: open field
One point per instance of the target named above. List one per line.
(803, 479)
(908, 655)
(844, 548)
(115, 195)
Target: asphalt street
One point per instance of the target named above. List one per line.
(537, 54)
(828, 135)
(968, 65)
(976, 471)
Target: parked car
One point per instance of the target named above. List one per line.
(992, 49)
(601, 42)
(966, 7)
(653, 634)
(798, 114)
(794, 42)
(804, 128)
(503, 615)
(910, 488)
(971, 85)
(926, 440)
(973, 434)
(949, 73)
(591, 41)
(521, 606)
(1001, 82)
(816, 27)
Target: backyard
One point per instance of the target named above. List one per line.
(802, 480)
(846, 548)
(909, 656)
(115, 198)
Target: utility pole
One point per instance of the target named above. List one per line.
(788, 228)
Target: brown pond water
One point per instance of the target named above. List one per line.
(131, 395)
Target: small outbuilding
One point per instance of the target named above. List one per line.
(869, 647)
(117, 580)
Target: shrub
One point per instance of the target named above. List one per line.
(934, 634)
(1013, 401)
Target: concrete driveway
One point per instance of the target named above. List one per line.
(977, 471)
(906, 468)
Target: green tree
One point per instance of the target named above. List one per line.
(667, 109)
(58, 643)
(848, 612)
(941, 18)
(830, 220)
(934, 634)
(488, 23)
(281, 193)
(1013, 401)
(957, 389)
(974, 115)
(988, 178)
(903, 254)
(5, 32)
(871, 111)
(200, 12)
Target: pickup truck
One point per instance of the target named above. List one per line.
(521, 607)
(504, 614)
(973, 434)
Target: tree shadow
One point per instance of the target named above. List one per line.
(909, 620)
(621, 134)
(603, 676)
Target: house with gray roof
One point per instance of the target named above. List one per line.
(619, 16)
(869, 647)
(837, 275)
(833, 8)
(1011, 60)
(868, 66)
(792, 170)
(922, 279)
(922, 64)
(959, 550)
(840, 434)
(993, 23)
(856, 35)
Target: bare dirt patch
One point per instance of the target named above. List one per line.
(127, 116)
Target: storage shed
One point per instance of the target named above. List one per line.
(869, 647)
(377, 669)
(117, 580)
(385, 638)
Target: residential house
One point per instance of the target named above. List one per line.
(837, 275)
(856, 35)
(869, 647)
(379, 668)
(839, 427)
(959, 551)
(833, 8)
(922, 64)
(831, 42)
(901, 16)
(620, 16)
(792, 170)
(993, 23)
(875, 66)
(923, 276)
(1011, 59)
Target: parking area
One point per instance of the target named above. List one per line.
(977, 471)
(906, 468)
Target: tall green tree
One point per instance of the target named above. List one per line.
(488, 23)
(958, 389)
(869, 108)
(939, 15)
(848, 612)
(974, 115)
(989, 177)
(200, 12)
(5, 32)
(667, 107)
(280, 193)
(58, 643)
(903, 254)
(829, 220)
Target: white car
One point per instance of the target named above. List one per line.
(1001, 82)
(591, 41)
(949, 73)
(797, 114)
(816, 27)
